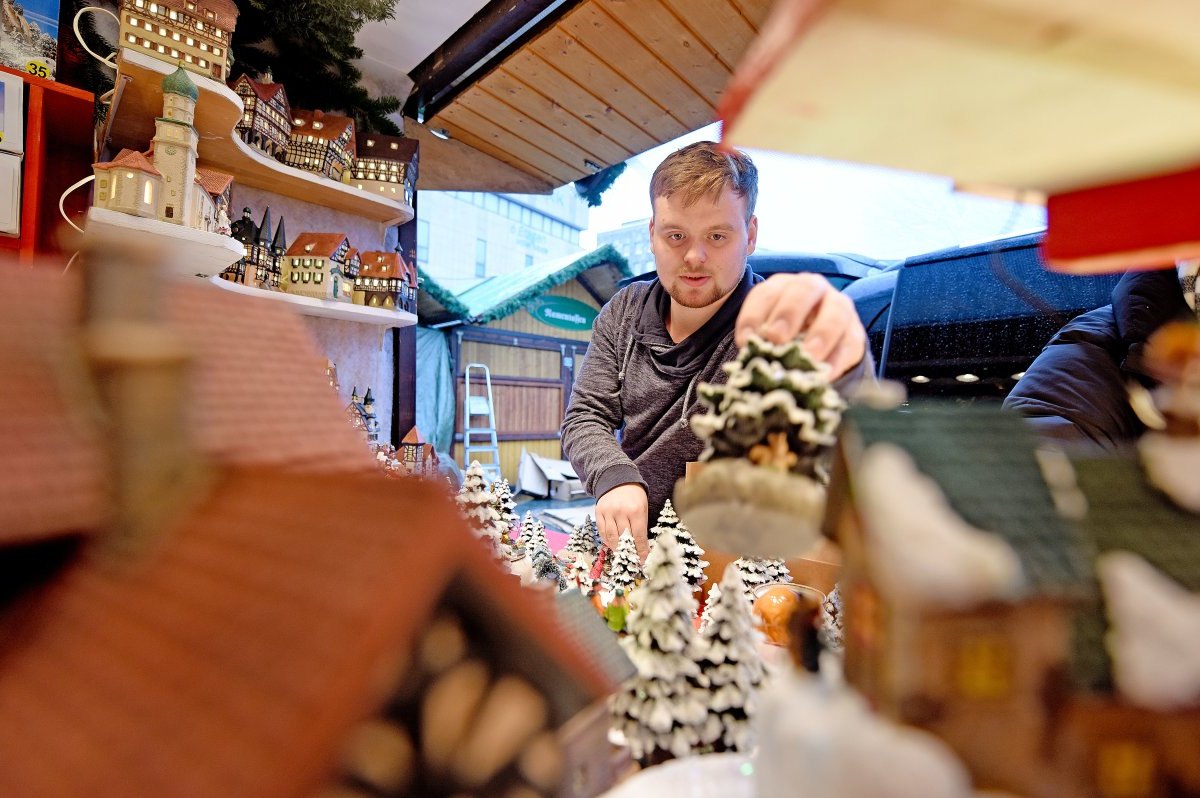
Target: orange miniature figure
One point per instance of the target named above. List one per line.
(774, 607)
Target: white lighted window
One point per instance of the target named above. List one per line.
(199, 25)
(176, 36)
(318, 277)
(148, 193)
(202, 62)
(187, 57)
(203, 47)
(173, 15)
(162, 49)
(162, 31)
(154, 8)
(395, 146)
(139, 3)
(132, 39)
(191, 42)
(216, 51)
(174, 53)
(132, 21)
(318, 125)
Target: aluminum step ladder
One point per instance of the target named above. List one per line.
(479, 439)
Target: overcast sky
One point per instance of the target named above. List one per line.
(818, 205)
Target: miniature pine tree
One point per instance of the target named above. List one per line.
(693, 565)
(626, 565)
(776, 407)
(547, 569)
(668, 520)
(730, 668)
(533, 534)
(777, 571)
(714, 593)
(756, 572)
(475, 502)
(584, 542)
(659, 711)
(503, 504)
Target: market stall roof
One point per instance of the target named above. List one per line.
(599, 272)
(535, 94)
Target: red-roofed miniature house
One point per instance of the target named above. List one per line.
(322, 143)
(266, 122)
(245, 642)
(315, 265)
(382, 281)
(416, 454)
(128, 184)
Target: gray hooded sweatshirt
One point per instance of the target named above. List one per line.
(636, 380)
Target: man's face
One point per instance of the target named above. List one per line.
(700, 250)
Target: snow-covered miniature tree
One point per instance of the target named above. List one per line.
(584, 542)
(730, 668)
(831, 621)
(756, 572)
(547, 569)
(668, 521)
(475, 502)
(714, 594)
(659, 711)
(533, 534)
(777, 571)
(776, 408)
(693, 565)
(626, 565)
(505, 507)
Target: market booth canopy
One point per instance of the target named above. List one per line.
(1074, 99)
(534, 94)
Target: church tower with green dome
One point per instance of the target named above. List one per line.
(175, 141)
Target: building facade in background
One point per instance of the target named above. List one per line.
(465, 237)
(632, 240)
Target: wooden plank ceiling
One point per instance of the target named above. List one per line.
(609, 80)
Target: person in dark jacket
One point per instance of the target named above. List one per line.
(1076, 390)
(654, 342)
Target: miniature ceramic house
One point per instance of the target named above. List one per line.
(416, 454)
(971, 608)
(361, 414)
(386, 165)
(165, 183)
(275, 654)
(261, 266)
(322, 143)
(314, 265)
(382, 281)
(266, 122)
(192, 33)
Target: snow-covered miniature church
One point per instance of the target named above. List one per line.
(165, 183)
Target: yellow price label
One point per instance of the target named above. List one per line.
(37, 68)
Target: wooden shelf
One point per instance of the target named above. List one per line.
(325, 307)
(185, 251)
(139, 100)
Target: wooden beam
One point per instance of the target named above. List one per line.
(449, 165)
(470, 128)
(719, 24)
(573, 59)
(604, 36)
(555, 116)
(755, 11)
(531, 69)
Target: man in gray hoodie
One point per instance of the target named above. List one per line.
(655, 341)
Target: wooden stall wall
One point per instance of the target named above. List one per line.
(533, 367)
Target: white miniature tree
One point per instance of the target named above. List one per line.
(730, 668)
(502, 502)
(533, 534)
(777, 571)
(659, 711)
(756, 572)
(547, 569)
(584, 543)
(475, 502)
(693, 565)
(626, 565)
(668, 521)
(714, 593)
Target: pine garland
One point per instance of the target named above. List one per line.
(592, 187)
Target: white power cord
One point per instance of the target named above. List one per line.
(108, 61)
(63, 198)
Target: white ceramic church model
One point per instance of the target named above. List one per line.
(164, 182)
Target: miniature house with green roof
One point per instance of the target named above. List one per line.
(973, 607)
(531, 328)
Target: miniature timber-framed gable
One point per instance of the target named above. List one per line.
(192, 33)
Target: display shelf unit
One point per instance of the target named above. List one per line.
(183, 251)
(325, 308)
(58, 152)
(138, 100)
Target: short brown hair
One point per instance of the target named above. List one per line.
(703, 170)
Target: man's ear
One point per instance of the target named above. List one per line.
(751, 234)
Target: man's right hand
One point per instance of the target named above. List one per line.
(623, 507)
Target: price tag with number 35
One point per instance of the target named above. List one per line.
(39, 68)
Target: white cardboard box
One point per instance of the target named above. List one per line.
(12, 114)
(10, 194)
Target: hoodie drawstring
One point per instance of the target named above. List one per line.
(624, 363)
